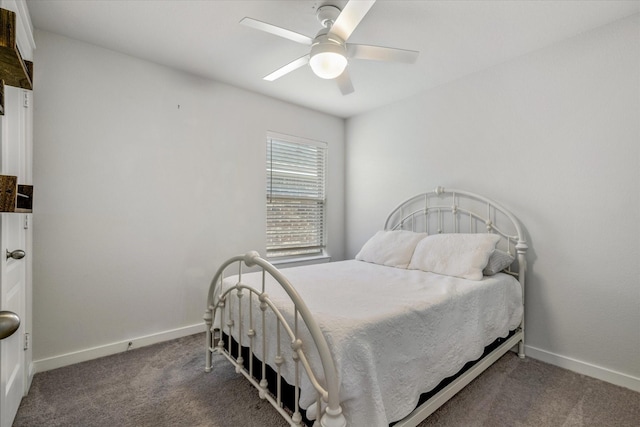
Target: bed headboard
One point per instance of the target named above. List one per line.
(458, 211)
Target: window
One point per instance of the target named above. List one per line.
(295, 196)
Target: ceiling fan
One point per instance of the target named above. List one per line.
(330, 51)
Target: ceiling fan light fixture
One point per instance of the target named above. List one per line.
(328, 57)
(328, 65)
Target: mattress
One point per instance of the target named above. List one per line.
(393, 333)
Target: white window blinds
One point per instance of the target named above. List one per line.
(295, 197)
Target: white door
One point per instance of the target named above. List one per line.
(15, 154)
(12, 298)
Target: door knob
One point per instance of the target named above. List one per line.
(9, 323)
(17, 254)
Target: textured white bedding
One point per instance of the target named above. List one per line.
(394, 333)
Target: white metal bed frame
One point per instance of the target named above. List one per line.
(440, 211)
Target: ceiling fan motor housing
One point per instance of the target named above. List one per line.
(328, 42)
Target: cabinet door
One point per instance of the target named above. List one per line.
(12, 298)
(16, 134)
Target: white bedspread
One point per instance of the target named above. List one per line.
(394, 333)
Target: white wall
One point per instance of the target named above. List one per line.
(554, 136)
(146, 179)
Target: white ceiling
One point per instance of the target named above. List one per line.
(455, 38)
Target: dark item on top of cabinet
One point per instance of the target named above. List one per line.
(1, 97)
(24, 201)
(13, 69)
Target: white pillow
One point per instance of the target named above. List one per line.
(391, 248)
(498, 261)
(458, 255)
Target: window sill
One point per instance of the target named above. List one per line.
(304, 260)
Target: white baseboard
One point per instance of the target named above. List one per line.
(113, 348)
(574, 365)
(30, 373)
(584, 368)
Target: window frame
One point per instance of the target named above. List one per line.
(296, 140)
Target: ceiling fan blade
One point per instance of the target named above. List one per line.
(278, 31)
(350, 17)
(379, 53)
(291, 66)
(344, 82)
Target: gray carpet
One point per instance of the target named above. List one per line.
(165, 385)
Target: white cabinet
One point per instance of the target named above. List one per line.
(16, 158)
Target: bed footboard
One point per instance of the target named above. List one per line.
(251, 327)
